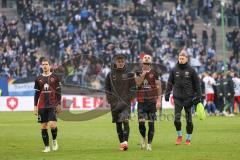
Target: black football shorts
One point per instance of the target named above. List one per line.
(147, 111)
(47, 114)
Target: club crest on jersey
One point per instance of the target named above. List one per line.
(145, 84)
(46, 87)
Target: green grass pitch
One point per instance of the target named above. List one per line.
(216, 138)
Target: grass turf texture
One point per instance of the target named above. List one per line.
(216, 138)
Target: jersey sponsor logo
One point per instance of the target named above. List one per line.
(52, 79)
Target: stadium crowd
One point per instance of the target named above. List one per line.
(16, 53)
(80, 37)
(232, 13)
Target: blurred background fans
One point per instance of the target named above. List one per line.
(80, 37)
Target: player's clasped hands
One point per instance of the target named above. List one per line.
(144, 72)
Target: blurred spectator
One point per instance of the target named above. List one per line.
(205, 38)
(18, 55)
(213, 38)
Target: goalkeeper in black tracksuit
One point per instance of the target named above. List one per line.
(184, 82)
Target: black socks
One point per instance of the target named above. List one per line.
(45, 137)
(54, 133)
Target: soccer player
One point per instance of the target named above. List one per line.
(219, 93)
(119, 93)
(184, 82)
(148, 88)
(236, 81)
(47, 101)
(209, 92)
(228, 89)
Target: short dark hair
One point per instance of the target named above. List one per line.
(119, 56)
(45, 60)
(183, 53)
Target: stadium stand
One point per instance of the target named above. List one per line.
(80, 37)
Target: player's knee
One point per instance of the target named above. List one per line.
(141, 120)
(44, 126)
(126, 122)
(53, 124)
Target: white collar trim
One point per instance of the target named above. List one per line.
(47, 74)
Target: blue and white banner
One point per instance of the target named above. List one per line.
(21, 89)
(3, 86)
